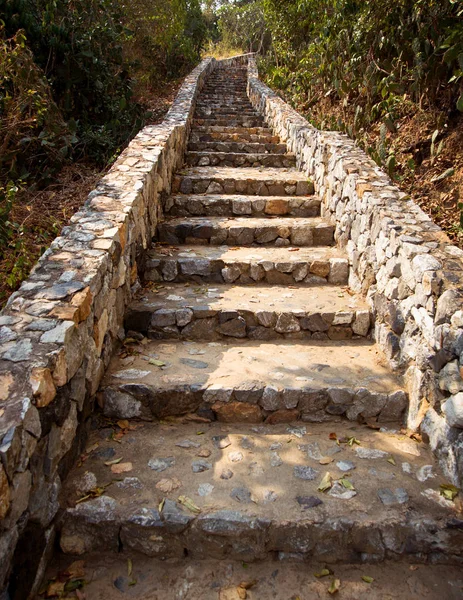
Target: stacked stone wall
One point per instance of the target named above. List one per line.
(59, 330)
(406, 266)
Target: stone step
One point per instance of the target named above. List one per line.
(238, 231)
(251, 181)
(246, 266)
(251, 381)
(234, 159)
(231, 102)
(230, 204)
(225, 113)
(258, 135)
(248, 147)
(220, 579)
(261, 312)
(229, 122)
(251, 493)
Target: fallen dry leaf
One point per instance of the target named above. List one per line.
(55, 588)
(123, 424)
(121, 468)
(75, 569)
(109, 463)
(335, 586)
(167, 485)
(189, 504)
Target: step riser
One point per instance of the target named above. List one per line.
(183, 270)
(240, 137)
(223, 159)
(253, 404)
(225, 113)
(237, 147)
(183, 206)
(208, 130)
(202, 323)
(301, 236)
(235, 122)
(230, 185)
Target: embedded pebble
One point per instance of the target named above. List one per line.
(188, 444)
(297, 431)
(276, 446)
(306, 473)
(246, 443)
(131, 374)
(339, 491)
(221, 441)
(241, 494)
(205, 489)
(407, 468)
(275, 460)
(308, 501)
(255, 469)
(424, 473)
(226, 474)
(235, 456)
(312, 450)
(370, 452)
(129, 483)
(345, 465)
(161, 464)
(381, 474)
(194, 364)
(389, 497)
(270, 496)
(198, 466)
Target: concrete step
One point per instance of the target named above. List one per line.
(234, 159)
(246, 266)
(229, 180)
(221, 579)
(229, 122)
(232, 204)
(260, 312)
(251, 381)
(251, 493)
(237, 231)
(248, 147)
(258, 135)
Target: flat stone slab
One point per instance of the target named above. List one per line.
(256, 512)
(247, 265)
(247, 381)
(260, 312)
(245, 231)
(240, 159)
(241, 205)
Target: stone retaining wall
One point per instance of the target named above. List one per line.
(404, 263)
(58, 332)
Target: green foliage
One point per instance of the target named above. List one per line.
(7, 196)
(242, 25)
(69, 70)
(372, 53)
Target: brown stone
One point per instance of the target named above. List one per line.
(133, 273)
(276, 207)
(283, 416)
(67, 312)
(4, 493)
(60, 369)
(83, 302)
(123, 235)
(320, 268)
(362, 187)
(237, 412)
(42, 386)
(99, 330)
(6, 381)
(339, 333)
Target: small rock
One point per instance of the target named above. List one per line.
(235, 456)
(270, 496)
(370, 453)
(306, 473)
(131, 374)
(130, 483)
(407, 468)
(19, 351)
(194, 364)
(345, 465)
(275, 459)
(198, 466)
(389, 497)
(226, 474)
(339, 491)
(276, 446)
(308, 501)
(453, 410)
(221, 441)
(204, 453)
(241, 494)
(246, 443)
(255, 469)
(313, 450)
(188, 444)
(297, 431)
(161, 464)
(205, 489)
(424, 473)
(105, 453)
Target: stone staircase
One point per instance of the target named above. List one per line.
(248, 414)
